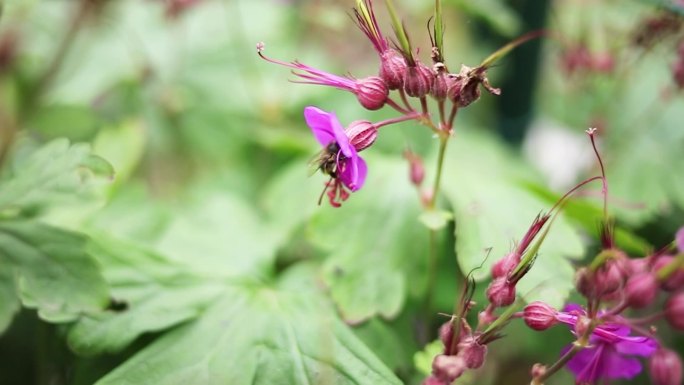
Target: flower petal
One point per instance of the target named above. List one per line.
(321, 125)
(341, 137)
(585, 364)
(641, 346)
(353, 172)
(614, 365)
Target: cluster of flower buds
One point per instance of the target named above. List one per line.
(401, 76)
(578, 59)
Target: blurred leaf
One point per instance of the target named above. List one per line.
(436, 219)
(496, 13)
(73, 121)
(123, 146)
(259, 334)
(54, 272)
(9, 300)
(154, 293)
(423, 359)
(56, 172)
(393, 341)
(376, 244)
(220, 234)
(493, 209)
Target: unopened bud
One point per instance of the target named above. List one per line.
(418, 80)
(361, 134)
(504, 266)
(584, 282)
(448, 368)
(432, 380)
(608, 279)
(446, 334)
(372, 92)
(440, 84)
(674, 310)
(665, 367)
(679, 237)
(472, 352)
(392, 69)
(416, 168)
(501, 293)
(539, 316)
(641, 289)
(675, 280)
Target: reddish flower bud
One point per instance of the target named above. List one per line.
(539, 316)
(432, 380)
(665, 367)
(448, 368)
(675, 280)
(416, 168)
(361, 134)
(501, 293)
(608, 279)
(641, 289)
(418, 80)
(674, 310)
(446, 334)
(504, 266)
(392, 69)
(584, 282)
(372, 92)
(472, 352)
(679, 237)
(440, 84)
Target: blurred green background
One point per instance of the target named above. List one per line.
(208, 194)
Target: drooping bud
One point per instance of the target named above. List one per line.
(472, 352)
(416, 168)
(501, 293)
(440, 85)
(665, 367)
(539, 316)
(641, 289)
(372, 92)
(448, 368)
(504, 266)
(674, 311)
(392, 69)
(418, 80)
(361, 134)
(675, 280)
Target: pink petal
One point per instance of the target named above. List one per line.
(321, 125)
(679, 238)
(641, 346)
(341, 137)
(353, 172)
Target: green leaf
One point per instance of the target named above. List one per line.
(9, 299)
(259, 334)
(56, 172)
(155, 294)
(378, 249)
(220, 234)
(436, 219)
(54, 272)
(494, 209)
(123, 146)
(423, 359)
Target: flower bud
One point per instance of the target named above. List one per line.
(675, 280)
(432, 380)
(372, 92)
(361, 134)
(446, 334)
(674, 310)
(416, 168)
(418, 80)
(440, 84)
(539, 316)
(472, 352)
(448, 368)
(504, 266)
(665, 367)
(641, 289)
(584, 282)
(679, 237)
(608, 279)
(392, 69)
(501, 293)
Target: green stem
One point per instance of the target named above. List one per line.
(443, 140)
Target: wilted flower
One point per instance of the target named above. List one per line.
(610, 352)
(339, 158)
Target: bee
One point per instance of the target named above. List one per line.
(325, 160)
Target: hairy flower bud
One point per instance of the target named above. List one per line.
(501, 293)
(675, 280)
(418, 80)
(446, 334)
(674, 310)
(416, 168)
(538, 370)
(583, 281)
(372, 92)
(504, 266)
(361, 134)
(472, 352)
(448, 368)
(539, 316)
(608, 279)
(665, 367)
(392, 69)
(641, 289)
(432, 380)
(440, 84)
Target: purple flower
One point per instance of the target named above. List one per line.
(339, 158)
(610, 351)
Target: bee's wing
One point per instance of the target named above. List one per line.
(315, 162)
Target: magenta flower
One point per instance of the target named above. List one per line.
(610, 351)
(339, 158)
